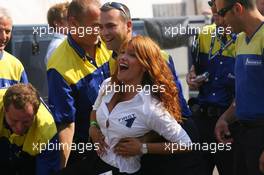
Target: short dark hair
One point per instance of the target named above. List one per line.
(57, 12)
(124, 12)
(248, 4)
(79, 8)
(20, 95)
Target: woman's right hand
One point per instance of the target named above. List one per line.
(98, 139)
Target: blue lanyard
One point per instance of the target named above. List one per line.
(222, 47)
(211, 47)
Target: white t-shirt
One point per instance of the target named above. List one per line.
(133, 118)
(54, 43)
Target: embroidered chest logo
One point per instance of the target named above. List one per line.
(231, 76)
(128, 120)
(253, 62)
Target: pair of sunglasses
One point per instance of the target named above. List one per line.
(115, 5)
(222, 12)
(211, 3)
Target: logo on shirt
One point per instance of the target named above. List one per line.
(231, 76)
(7, 85)
(128, 120)
(253, 62)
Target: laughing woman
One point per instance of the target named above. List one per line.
(139, 98)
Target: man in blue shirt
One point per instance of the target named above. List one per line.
(75, 72)
(28, 134)
(247, 109)
(12, 70)
(216, 92)
(57, 20)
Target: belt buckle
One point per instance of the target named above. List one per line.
(195, 108)
(212, 112)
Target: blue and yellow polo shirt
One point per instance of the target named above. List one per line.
(11, 70)
(249, 71)
(186, 112)
(219, 90)
(43, 131)
(73, 81)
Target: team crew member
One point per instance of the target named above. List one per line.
(133, 113)
(26, 129)
(116, 28)
(57, 19)
(243, 16)
(75, 71)
(12, 70)
(215, 93)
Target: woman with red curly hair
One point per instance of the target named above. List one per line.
(140, 97)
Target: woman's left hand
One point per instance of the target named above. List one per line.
(128, 147)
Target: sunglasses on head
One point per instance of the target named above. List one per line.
(115, 5)
(211, 3)
(222, 12)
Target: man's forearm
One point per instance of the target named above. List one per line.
(66, 133)
(151, 137)
(229, 114)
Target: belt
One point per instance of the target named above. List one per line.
(251, 123)
(207, 110)
(212, 111)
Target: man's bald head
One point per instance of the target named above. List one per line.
(79, 9)
(4, 14)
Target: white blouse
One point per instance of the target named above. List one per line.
(133, 118)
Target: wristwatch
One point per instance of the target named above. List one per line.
(144, 148)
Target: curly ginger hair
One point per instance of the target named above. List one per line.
(157, 73)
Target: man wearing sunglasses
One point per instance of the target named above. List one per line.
(243, 16)
(215, 92)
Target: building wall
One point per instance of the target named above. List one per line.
(34, 11)
(27, 12)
